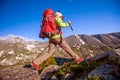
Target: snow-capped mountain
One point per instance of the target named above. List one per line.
(17, 49)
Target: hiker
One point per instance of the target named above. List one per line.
(57, 39)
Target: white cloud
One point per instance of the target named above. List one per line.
(10, 36)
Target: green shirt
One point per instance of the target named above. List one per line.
(59, 22)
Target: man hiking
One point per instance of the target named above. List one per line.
(57, 39)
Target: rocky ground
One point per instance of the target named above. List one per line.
(105, 66)
(19, 73)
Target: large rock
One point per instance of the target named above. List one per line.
(108, 72)
(112, 54)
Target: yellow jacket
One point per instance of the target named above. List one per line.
(59, 23)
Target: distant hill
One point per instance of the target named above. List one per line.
(96, 43)
(18, 50)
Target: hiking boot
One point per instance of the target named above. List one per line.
(35, 66)
(80, 60)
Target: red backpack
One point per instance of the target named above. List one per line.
(48, 27)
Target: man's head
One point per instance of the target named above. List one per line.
(59, 14)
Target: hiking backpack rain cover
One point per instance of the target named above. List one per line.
(48, 26)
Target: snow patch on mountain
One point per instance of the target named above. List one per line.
(18, 58)
(4, 60)
(30, 47)
(114, 37)
(11, 52)
(1, 52)
(78, 37)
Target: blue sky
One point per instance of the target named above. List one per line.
(23, 17)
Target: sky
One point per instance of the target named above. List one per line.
(23, 17)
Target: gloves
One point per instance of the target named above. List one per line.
(69, 22)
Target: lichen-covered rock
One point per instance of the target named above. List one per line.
(107, 72)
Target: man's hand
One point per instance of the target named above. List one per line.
(69, 22)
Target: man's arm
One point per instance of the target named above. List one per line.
(60, 22)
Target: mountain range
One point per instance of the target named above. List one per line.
(16, 49)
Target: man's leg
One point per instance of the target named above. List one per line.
(45, 55)
(62, 43)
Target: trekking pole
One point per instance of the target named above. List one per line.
(80, 40)
(42, 51)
